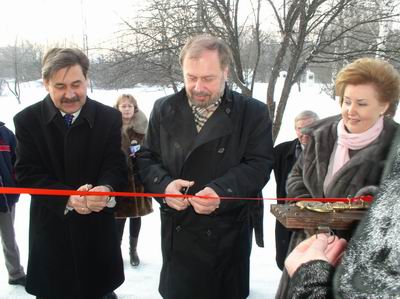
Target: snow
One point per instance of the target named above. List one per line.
(142, 282)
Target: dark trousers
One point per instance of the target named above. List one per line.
(134, 227)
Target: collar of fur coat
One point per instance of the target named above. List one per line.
(139, 123)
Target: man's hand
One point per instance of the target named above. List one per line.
(175, 187)
(205, 206)
(78, 202)
(96, 203)
(317, 247)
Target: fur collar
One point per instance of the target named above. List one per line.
(139, 123)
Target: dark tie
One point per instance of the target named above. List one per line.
(298, 150)
(68, 119)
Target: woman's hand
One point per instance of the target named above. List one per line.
(317, 247)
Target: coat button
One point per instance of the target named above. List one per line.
(221, 150)
(228, 110)
(156, 179)
(208, 232)
(178, 228)
(229, 190)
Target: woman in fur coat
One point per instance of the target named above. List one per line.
(346, 153)
(134, 127)
(370, 266)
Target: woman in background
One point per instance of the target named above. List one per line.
(346, 153)
(134, 126)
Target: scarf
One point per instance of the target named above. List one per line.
(202, 114)
(353, 141)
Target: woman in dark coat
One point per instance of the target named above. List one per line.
(347, 153)
(134, 127)
(370, 265)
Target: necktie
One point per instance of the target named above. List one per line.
(298, 150)
(68, 119)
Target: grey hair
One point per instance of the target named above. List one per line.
(195, 46)
(306, 114)
(58, 58)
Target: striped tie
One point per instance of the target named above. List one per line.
(68, 119)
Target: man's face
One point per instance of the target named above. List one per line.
(299, 125)
(67, 89)
(204, 78)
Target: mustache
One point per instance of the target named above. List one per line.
(200, 94)
(70, 100)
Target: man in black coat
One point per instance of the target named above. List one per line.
(286, 155)
(16, 274)
(217, 143)
(74, 250)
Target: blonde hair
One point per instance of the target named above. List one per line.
(125, 96)
(380, 73)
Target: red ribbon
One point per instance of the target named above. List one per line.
(57, 192)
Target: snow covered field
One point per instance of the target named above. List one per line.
(142, 282)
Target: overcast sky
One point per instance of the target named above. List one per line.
(51, 21)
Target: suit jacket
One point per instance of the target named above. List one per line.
(207, 256)
(285, 157)
(70, 255)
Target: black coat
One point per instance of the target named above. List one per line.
(285, 157)
(70, 255)
(207, 256)
(7, 160)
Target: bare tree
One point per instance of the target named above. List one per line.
(310, 30)
(221, 18)
(149, 44)
(20, 63)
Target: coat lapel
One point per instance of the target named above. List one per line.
(179, 122)
(217, 126)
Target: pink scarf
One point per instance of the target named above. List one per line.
(353, 141)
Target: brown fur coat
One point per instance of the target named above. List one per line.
(360, 175)
(133, 206)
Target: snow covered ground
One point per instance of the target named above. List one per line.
(142, 282)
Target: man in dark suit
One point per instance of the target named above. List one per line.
(68, 141)
(286, 155)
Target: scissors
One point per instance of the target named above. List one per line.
(185, 191)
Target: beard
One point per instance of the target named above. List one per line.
(211, 98)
